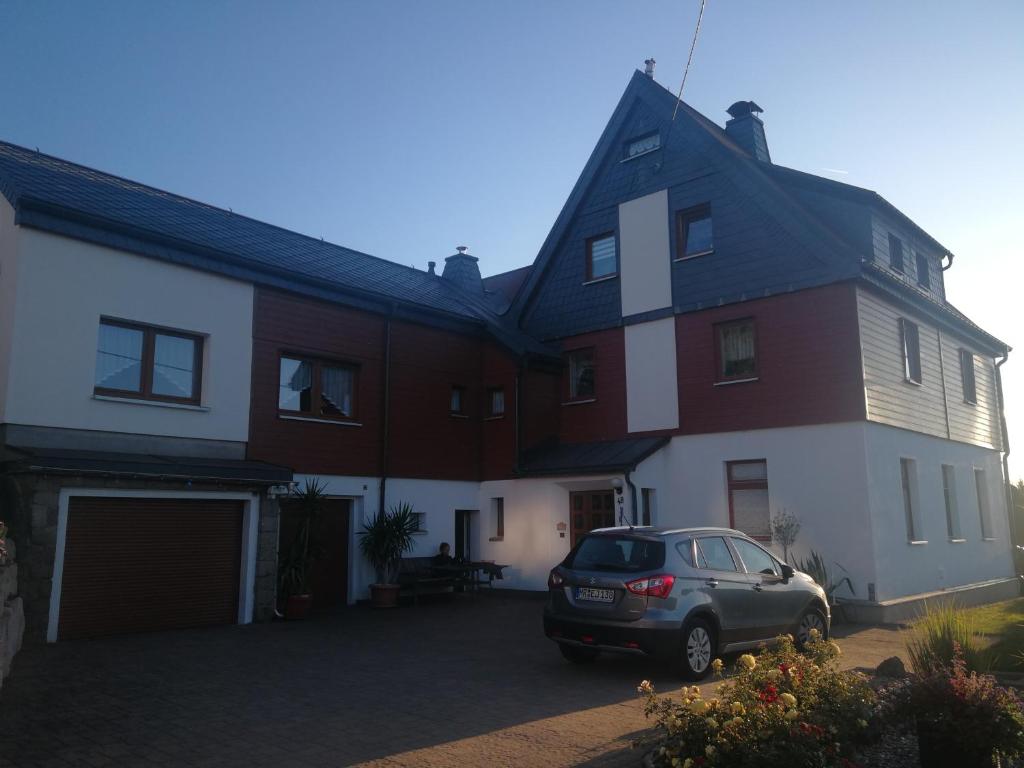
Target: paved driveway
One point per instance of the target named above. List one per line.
(461, 681)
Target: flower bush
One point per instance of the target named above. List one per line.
(781, 707)
(958, 710)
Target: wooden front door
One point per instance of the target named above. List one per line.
(329, 577)
(590, 510)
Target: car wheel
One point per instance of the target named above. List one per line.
(697, 650)
(813, 618)
(578, 655)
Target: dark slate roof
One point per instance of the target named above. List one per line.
(506, 284)
(51, 460)
(63, 197)
(589, 458)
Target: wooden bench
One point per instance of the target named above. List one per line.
(417, 576)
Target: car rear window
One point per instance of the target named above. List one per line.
(617, 554)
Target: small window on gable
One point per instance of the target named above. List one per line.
(911, 343)
(694, 232)
(496, 402)
(581, 374)
(895, 253)
(924, 278)
(967, 376)
(457, 400)
(642, 145)
(737, 354)
(602, 260)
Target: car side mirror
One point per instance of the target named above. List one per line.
(787, 572)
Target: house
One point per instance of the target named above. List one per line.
(704, 338)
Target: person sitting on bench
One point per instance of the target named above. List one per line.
(444, 555)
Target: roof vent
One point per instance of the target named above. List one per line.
(649, 68)
(747, 130)
(462, 270)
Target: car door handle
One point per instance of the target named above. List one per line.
(758, 587)
(712, 582)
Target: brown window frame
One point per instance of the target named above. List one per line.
(316, 388)
(720, 377)
(683, 220)
(911, 365)
(972, 379)
(746, 485)
(590, 256)
(569, 396)
(145, 391)
(491, 413)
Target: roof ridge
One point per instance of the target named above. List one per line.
(208, 206)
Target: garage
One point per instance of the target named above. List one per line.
(147, 564)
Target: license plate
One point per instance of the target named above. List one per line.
(595, 595)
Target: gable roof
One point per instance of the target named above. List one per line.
(843, 258)
(65, 198)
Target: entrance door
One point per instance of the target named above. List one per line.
(590, 510)
(464, 534)
(329, 577)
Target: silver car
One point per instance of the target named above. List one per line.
(683, 595)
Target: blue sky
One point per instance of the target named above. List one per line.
(404, 129)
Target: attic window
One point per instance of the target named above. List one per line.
(643, 145)
(923, 278)
(895, 253)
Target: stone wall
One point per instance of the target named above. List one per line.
(30, 504)
(12, 616)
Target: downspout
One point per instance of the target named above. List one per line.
(632, 494)
(385, 453)
(1006, 452)
(949, 264)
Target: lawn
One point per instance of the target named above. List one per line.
(1004, 624)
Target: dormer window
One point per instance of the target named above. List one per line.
(643, 145)
(923, 276)
(895, 253)
(694, 233)
(601, 257)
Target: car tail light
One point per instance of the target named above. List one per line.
(653, 586)
(555, 580)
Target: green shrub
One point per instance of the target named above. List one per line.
(782, 708)
(935, 635)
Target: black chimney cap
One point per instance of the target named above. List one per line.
(741, 108)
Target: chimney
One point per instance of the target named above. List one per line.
(430, 267)
(747, 130)
(649, 68)
(461, 269)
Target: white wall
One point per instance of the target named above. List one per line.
(818, 473)
(65, 285)
(8, 294)
(645, 262)
(652, 382)
(532, 544)
(437, 499)
(905, 569)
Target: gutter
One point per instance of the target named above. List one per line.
(1000, 402)
(950, 264)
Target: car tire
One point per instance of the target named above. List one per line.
(697, 650)
(812, 618)
(578, 655)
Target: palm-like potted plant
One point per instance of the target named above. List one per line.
(384, 539)
(296, 565)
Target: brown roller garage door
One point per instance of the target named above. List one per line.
(137, 565)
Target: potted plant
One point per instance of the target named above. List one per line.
(963, 718)
(384, 539)
(296, 564)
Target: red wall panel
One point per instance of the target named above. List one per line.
(499, 433)
(605, 417)
(287, 323)
(808, 359)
